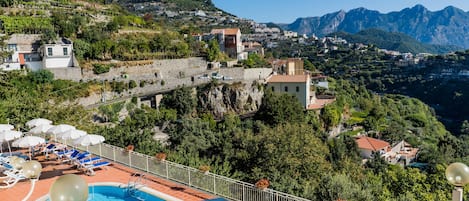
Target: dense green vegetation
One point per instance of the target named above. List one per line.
(393, 41)
(295, 155)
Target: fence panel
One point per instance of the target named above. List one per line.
(222, 186)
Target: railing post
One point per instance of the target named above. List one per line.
(130, 159)
(167, 171)
(148, 166)
(242, 197)
(114, 153)
(214, 185)
(189, 174)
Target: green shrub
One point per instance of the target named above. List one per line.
(132, 84)
(101, 68)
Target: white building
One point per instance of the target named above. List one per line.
(24, 49)
(28, 53)
(297, 85)
(58, 55)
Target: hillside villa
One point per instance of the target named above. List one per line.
(230, 42)
(401, 153)
(27, 52)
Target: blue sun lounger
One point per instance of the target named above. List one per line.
(87, 161)
(89, 169)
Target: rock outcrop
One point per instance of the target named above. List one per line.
(239, 98)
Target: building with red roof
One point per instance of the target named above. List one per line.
(367, 146)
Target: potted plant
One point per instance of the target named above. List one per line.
(204, 169)
(160, 156)
(262, 184)
(130, 148)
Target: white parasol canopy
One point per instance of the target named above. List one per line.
(88, 140)
(40, 129)
(7, 136)
(36, 122)
(6, 127)
(71, 134)
(60, 129)
(28, 141)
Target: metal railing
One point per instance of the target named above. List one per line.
(219, 185)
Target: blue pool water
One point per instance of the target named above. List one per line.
(114, 193)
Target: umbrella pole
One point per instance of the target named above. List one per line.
(9, 149)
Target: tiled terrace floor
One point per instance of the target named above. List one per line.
(52, 169)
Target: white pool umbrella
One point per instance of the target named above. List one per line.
(36, 122)
(40, 129)
(7, 136)
(60, 129)
(71, 134)
(28, 141)
(88, 140)
(6, 127)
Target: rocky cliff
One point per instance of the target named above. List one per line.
(239, 98)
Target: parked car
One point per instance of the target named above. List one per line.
(217, 76)
(204, 77)
(227, 78)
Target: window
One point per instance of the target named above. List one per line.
(49, 51)
(297, 89)
(65, 51)
(273, 88)
(12, 47)
(286, 89)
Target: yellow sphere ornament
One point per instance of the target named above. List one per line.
(18, 163)
(457, 174)
(69, 187)
(32, 169)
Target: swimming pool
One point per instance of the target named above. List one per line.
(110, 191)
(115, 193)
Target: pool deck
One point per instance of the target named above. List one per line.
(52, 169)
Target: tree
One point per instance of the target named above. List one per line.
(181, 100)
(41, 76)
(464, 128)
(213, 51)
(279, 108)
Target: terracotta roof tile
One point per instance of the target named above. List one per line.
(228, 31)
(231, 31)
(371, 143)
(288, 78)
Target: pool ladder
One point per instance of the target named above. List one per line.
(136, 180)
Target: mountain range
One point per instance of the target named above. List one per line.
(394, 41)
(448, 26)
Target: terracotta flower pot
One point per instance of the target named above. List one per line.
(262, 184)
(160, 156)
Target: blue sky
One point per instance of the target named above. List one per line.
(286, 11)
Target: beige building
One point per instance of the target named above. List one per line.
(291, 66)
(297, 85)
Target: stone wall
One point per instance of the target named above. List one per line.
(257, 73)
(71, 73)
